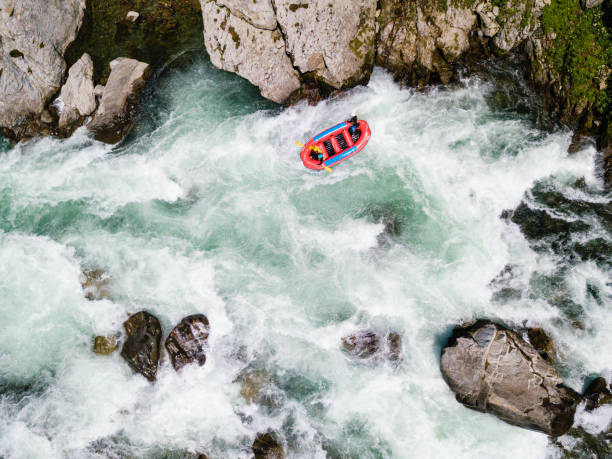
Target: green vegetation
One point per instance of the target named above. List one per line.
(581, 53)
(296, 6)
(164, 28)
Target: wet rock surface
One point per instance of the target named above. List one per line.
(268, 446)
(96, 284)
(597, 393)
(541, 342)
(105, 345)
(367, 343)
(188, 341)
(141, 349)
(120, 97)
(493, 370)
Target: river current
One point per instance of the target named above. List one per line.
(206, 208)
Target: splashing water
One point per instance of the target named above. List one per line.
(207, 208)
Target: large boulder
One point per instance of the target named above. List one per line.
(120, 98)
(34, 34)
(493, 370)
(259, 14)
(256, 54)
(188, 341)
(332, 40)
(77, 95)
(141, 349)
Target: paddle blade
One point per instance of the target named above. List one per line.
(300, 144)
(328, 169)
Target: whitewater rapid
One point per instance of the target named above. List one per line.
(206, 208)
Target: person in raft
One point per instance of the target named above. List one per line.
(354, 123)
(316, 153)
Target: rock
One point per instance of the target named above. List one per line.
(541, 342)
(188, 341)
(597, 394)
(259, 14)
(267, 446)
(254, 384)
(394, 342)
(119, 101)
(98, 91)
(96, 284)
(493, 370)
(334, 41)
(366, 343)
(519, 22)
(77, 94)
(132, 16)
(34, 34)
(255, 54)
(361, 344)
(105, 345)
(46, 117)
(417, 41)
(142, 346)
(488, 18)
(586, 4)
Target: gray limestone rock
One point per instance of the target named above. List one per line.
(255, 54)
(493, 370)
(77, 93)
(259, 14)
(586, 4)
(119, 101)
(34, 34)
(335, 40)
(519, 23)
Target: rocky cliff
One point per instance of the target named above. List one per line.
(308, 49)
(334, 44)
(34, 36)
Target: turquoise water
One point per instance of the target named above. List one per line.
(207, 208)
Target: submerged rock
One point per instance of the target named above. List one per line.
(141, 349)
(268, 446)
(96, 284)
(597, 394)
(34, 34)
(188, 341)
(105, 345)
(77, 94)
(254, 384)
(366, 343)
(493, 370)
(119, 101)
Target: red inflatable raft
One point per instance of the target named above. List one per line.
(336, 144)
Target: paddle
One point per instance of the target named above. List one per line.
(328, 169)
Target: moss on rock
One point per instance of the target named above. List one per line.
(164, 28)
(581, 55)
